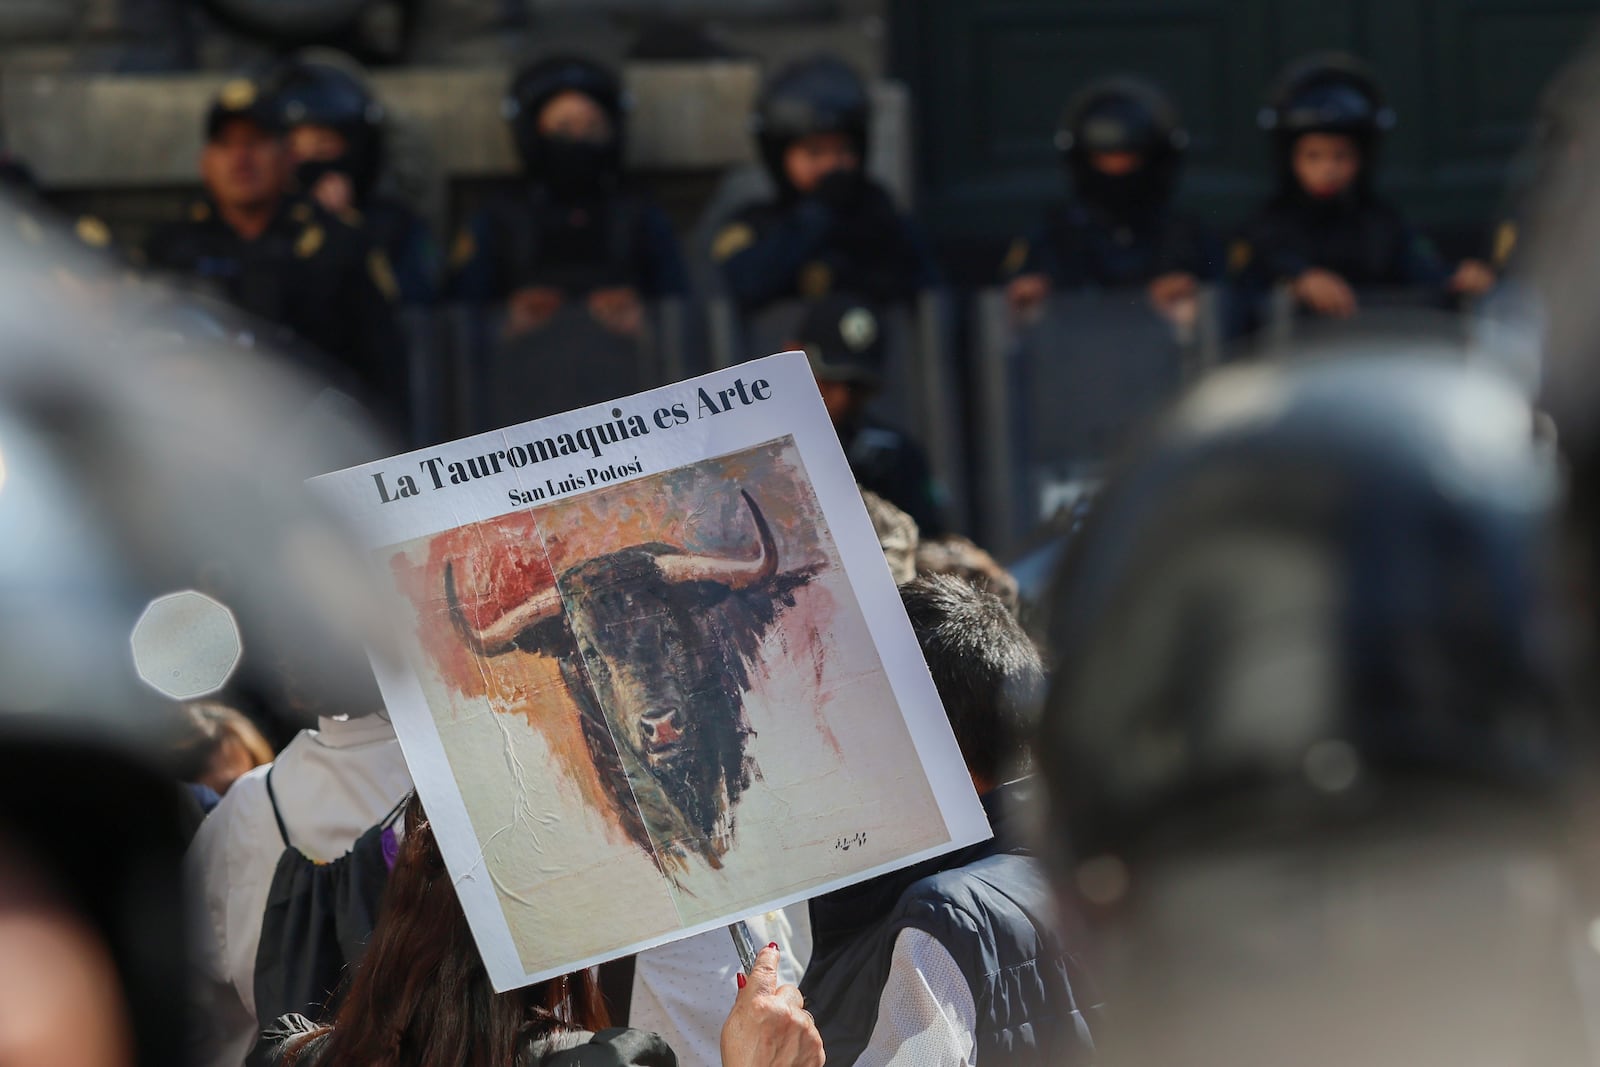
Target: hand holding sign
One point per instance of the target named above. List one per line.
(769, 1026)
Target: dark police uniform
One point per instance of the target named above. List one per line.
(1118, 230)
(1355, 235)
(408, 243)
(1362, 239)
(325, 90)
(316, 276)
(536, 239)
(847, 237)
(1082, 247)
(574, 225)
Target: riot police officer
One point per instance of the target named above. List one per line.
(574, 233)
(1313, 784)
(335, 129)
(282, 258)
(831, 228)
(1122, 144)
(842, 337)
(1326, 232)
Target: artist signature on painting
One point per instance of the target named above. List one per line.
(850, 841)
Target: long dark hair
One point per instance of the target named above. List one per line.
(420, 996)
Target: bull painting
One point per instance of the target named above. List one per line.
(655, 645)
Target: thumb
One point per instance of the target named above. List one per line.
(763, 978)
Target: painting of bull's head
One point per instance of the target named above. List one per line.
(655, 645)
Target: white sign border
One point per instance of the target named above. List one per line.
(354, 495)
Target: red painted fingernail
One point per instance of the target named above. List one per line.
(772, 944)
(740, 979)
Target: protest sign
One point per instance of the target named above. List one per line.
(658, 675)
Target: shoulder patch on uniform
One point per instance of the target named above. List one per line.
(383, 275)
(1016, 256)
(92, 232)
(301, 212)
(199, 211)
(1505, 242)
(309, 241)
(463, 248)
(731, 240)
(237, 94)
(1240, 253)
(816, 278)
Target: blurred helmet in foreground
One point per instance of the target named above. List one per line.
(1307, 764)
(136, 460)
(1556, 264)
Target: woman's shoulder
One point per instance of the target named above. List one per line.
(616, 1047)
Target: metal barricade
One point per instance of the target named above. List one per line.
(1057, 393)
(1395, 314)
(497, 378)
(427, 375)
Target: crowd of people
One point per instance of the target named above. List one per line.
(1299, 768)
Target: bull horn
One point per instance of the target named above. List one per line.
(733, 573)
(500, 635)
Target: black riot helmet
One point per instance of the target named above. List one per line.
(822, 94)
(566, 164)
(1326, 92)
(1304, 742)
(323, 88)
(1122, 115)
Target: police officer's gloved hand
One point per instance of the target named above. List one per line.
(842, 190)
(329, 183)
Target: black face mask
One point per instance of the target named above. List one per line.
(575, 169)
(312, 171)
(1126, 197)
(1326, 210)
